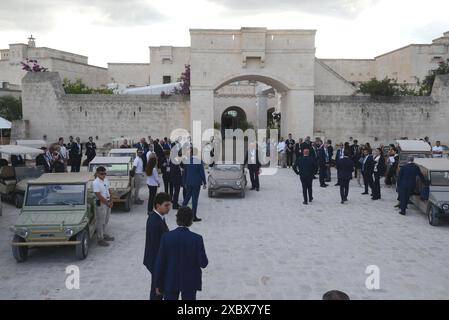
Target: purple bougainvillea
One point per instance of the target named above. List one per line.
(185, 82)
(32, 66)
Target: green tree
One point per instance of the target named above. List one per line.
(10, 108)
(427, 84)
(386, 87)
(78, 87)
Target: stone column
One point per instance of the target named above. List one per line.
(297, 110)
(201, 112)
(262, 107)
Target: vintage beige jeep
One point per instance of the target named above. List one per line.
(58, 210)
(416, 148)
(119, 175)
(129, 152)
(13, 180)
(436, 171)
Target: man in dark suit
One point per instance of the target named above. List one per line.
(338, 156)
(175, 181)
(305, 168)
(345, 167)
(194, 177)
(91, 152)
(75, 154)
(330, 154)
(44, 161)
(180, 259)
(290, 149)
(368, 170)
(407, 182)
(298, 150)
(142, 145)
(323, 162)
(252, 160)
(156, 227)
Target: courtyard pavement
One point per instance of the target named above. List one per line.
(265, 246)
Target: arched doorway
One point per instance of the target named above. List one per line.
(233, 118)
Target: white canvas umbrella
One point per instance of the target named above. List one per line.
(4, 124)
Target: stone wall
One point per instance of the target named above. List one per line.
(383, 119)
(129, 74)
(53, 113)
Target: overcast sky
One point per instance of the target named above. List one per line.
(121, 30)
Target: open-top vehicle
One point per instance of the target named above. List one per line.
(436, 203)
(58, 210)
(119, 175)
(13, 180)
(128, 152)
(227, 178)
(416, 148)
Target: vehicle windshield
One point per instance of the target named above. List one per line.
(131, 154)
(404, 156)
(112, 169)
(28, 172)
(55, 194)
(233, 168)
(439, 178)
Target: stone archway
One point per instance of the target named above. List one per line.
(233, 118)
(282, 59)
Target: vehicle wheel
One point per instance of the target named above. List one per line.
(18, 201)
(431, 213)
(20, 253)
(82, 249)
(210, 193)
(127, 204)
(242, 194)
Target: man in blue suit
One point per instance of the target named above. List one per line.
(407, 182)
(180, 259)
(156, 227)
(345, 168)
(305, 167)
(194, 176)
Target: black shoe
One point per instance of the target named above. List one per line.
(402, 212)
(336, 185)
(365, 193)
(257, 189)
(253, 188)
(397, 206)
(311, 199)
(305, 203)
(196, 219)
(375, 198)
(342, 202)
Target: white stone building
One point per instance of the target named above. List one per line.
(68, 65)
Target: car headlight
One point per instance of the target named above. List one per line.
(238, 183)
(445, 206)
(68, 232)
(211, 181)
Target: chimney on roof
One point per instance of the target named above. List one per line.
(31, 42)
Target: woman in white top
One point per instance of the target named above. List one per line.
(152, 181)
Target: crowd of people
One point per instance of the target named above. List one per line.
(176, 272)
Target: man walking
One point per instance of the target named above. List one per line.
(75, 154)
(407, 182)
(156, 227)
(180, 259)
(305, 168)
(194, 177)
(139, 176)
(91, 152)
(345, 168)
(323, 162)
(252, 160)
(102, 191)
(368, 170)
